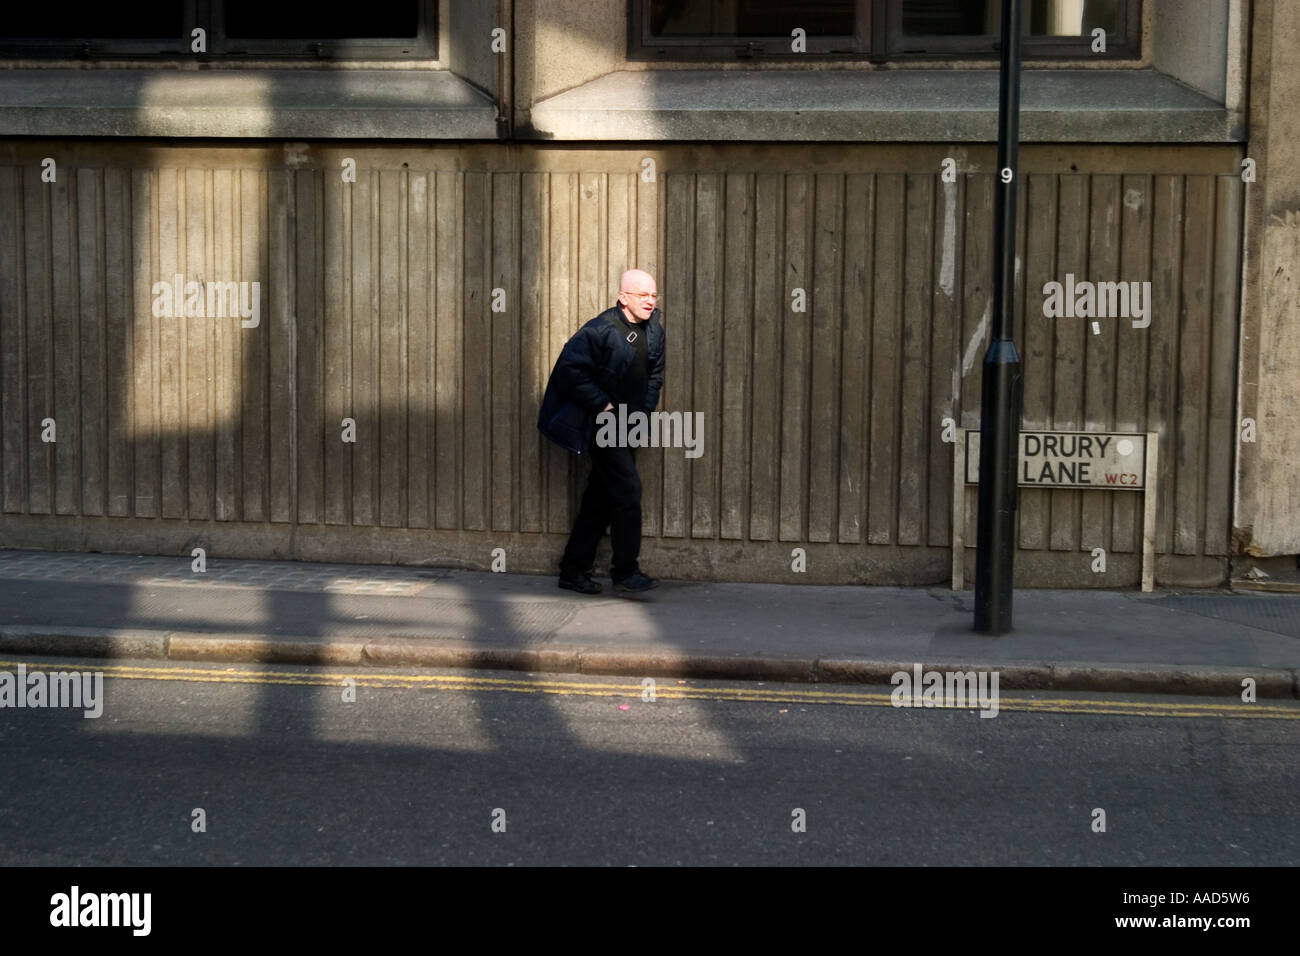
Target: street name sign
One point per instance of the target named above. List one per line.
(1116, 461)
(1093, 461)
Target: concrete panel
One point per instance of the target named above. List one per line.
(1267, 518)
(822, 426)
(1191, 42)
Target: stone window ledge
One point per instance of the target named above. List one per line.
(265, 103)
(1096, 106)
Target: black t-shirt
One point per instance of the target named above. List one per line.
(631, 389)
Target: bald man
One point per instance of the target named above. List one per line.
(615, 359)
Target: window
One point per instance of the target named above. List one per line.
(876, 29)
(234, 28)
(58, 29)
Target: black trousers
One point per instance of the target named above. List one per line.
(612, 500)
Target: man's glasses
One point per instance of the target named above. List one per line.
(646, 295)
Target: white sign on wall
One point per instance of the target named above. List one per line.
(1115, 461)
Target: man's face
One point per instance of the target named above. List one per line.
(639, 300)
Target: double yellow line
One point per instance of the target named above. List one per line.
(666, 688)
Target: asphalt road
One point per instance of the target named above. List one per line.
(421, 765)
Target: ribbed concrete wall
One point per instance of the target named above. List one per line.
(822, 428)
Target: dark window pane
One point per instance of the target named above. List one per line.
(946, 17)
(92, 19)
(982, 17)
(751, 18)
(312, 20)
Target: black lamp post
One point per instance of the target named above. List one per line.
(1003, 386)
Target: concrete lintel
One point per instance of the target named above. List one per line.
(1115, 106)
(305, 104)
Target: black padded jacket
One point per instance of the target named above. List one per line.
(587, 374)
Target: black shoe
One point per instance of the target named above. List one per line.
(582, 583)
(636, 581)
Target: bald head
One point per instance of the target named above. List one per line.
(637, 294)
(635, 280)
